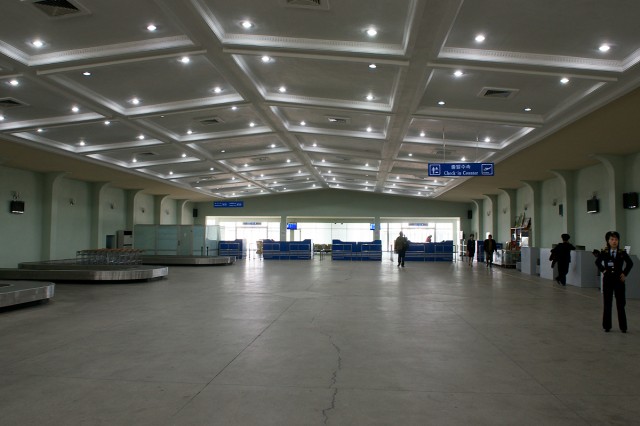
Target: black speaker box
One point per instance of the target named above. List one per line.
(593, 206)
(16, 207)
(469, 214)
(630, 200)
(195, 212)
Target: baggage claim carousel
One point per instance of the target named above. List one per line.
(35, 281)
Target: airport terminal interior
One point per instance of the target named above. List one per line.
(200, 202)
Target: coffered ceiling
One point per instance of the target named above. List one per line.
(206, 99)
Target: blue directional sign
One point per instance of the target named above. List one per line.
(460, 169)
(227, 204)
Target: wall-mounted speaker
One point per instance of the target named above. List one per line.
(195, 212)
(593, 206)
(560, 209)
(16, 207)
(630, 200)
(469, 214)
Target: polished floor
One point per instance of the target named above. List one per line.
(320, 342)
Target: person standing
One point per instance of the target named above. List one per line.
(471, 249)
(614, 264)
(489, 248)
(400, 246)
(561, 255)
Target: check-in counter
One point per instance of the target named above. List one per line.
(529, 259)
(582, 269)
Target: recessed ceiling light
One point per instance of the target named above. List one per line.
(487, 139)
(463, 159)
(14, 82)
(234, 108)
(564, 80)
(410, 155)
(458, 73)
(184, 155)
(315, 144)
(273, 145)
(134, 160)
(369, 97)
(480, 38)
(107, 122)
(135, 101)
(299, 171)
(189, 132)
(372, 32)
(37, 43)
(329, 171)
(151, 27)
(211, 168)
(246, 165)
(39, 130)
(369, 129)
(397, 177)
(373, 66)
(366, 165)
(303, 123)
(75, 108)
(275, 181)
(440, 102)
(252, 124)
(261, 174)
(323, 162)
(266, 59)
(246, 24)
(185, 60)
(422, 134)
(604, 48)
(141, 137)
(223, 151)
(282, 89)
(217, 89)
(170, 172)
(82, 143)
(527, 109)
(288, 160)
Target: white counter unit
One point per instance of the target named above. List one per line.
(529, 260)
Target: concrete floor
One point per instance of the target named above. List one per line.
(320, 342)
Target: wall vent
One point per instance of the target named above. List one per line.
(58, 8)
(497, 93)
(210, 121)
(307, 4)
(6, 103)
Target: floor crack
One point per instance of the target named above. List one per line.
(334, 380)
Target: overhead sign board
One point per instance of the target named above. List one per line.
(227, 204)
(460, 169)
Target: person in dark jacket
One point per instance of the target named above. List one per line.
(400, 246)
(614, 264)
(489, 247)
(471, 249)
(561, 255)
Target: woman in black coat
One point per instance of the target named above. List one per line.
(614, 264)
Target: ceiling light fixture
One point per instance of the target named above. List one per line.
(141, 137)
(480, 38)
(266, 59)
(135, 101)
(440, 103)
(246, 24)
(134, 160)
(151, 27)
(1, 117)
(366, 165)
(564, 80)
(273, 145)
(82, 143)
(288, 160)
(252, 124)
(170, 172)
(37, 43)
(184, 155)
(369, 129)
(369, 97)
(422, 134)
(217, 89)
(14, 82)
(487, 139)
(75, 108)
(410, 155)
(373, 66)
(303, 123)
(189, 132)
(185, 60)
(527, 109)
(211, 168)
(372, 32)
(282, 89)
(604, 48)
(107, 122)
(39, 130)
(458, 73)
